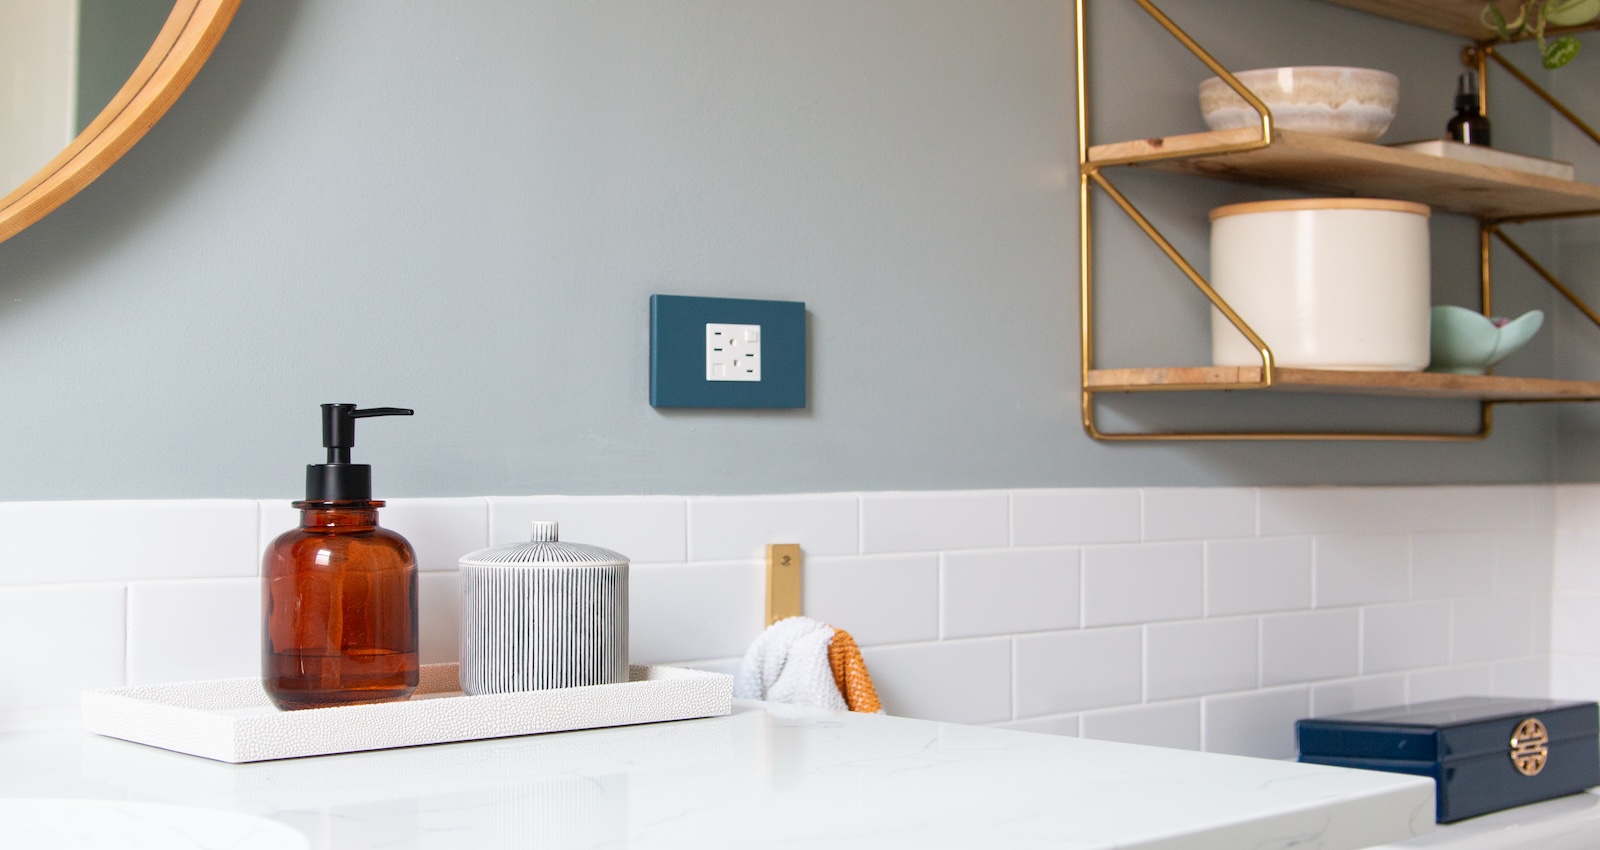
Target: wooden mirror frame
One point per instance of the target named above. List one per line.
(183, 45)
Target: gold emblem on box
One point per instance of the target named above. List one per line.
(1530, 747)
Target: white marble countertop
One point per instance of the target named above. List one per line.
(766, 776)
(1565, 823)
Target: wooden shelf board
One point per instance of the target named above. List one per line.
(1327, 166)
(1404, 384)
(1459, 17)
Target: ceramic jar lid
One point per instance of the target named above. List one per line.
(544, 549)
(1298, 204)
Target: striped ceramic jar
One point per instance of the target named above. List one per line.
(543, 614)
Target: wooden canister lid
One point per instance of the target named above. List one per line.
(1322, 204)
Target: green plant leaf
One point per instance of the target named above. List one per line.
(1494, 20)
(1571, 13)
(1559, 52)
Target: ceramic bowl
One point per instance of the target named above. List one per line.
(1465, 342)
(1350, 103)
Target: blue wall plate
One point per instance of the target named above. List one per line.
(678, 374)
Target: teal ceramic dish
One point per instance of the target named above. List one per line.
(1464, 342)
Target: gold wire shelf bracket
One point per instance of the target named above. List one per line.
(1478, 55)
(1485, 427)
(1541, 271)
(1194, 276)
(1263, 112)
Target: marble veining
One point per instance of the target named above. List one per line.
(764, 776)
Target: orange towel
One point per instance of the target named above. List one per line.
(850, 673)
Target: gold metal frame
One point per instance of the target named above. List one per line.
(1090, 176)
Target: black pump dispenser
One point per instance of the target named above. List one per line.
(339, 480)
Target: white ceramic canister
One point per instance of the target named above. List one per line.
(543, 614)
(1328, 283)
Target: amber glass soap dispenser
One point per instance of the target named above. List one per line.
(339, 596)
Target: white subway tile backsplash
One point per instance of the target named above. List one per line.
(1060, 724)
(184, 630)
(440, 530)
(1072, 517)
(1143, 583)
(1575, 676)
(953, 681)
(725, 666)
(1200, 657)
(1498, 507)
(1449, 683)
(1577, 623)
(740, 527)
(1361, 570)
(1252, 576)
(1340, 510)
(1199, 513)
(439, 617)
(1578, 507)
(1376, 510)
(1494, 627)
(1071, 671)
(1524, 677)
(59, 640)
(1309, 646)
(1046, 610)
(1175, 725)
(1259, 724)
(733, 528)
(1405, 637)
(1007, 591)
(1523, 561)
(683, 612)
(1454, 564)
(877, 599)
(1541, 506)
(927, 522)
(1345, 696)
(647, 529)
(1577, 567)
(58, 542)
(1543, 623)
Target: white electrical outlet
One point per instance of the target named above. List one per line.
(733, 352)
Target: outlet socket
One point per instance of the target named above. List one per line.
(733, 352)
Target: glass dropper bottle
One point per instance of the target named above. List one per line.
(1469, 126)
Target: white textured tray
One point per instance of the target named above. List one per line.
(232, 720)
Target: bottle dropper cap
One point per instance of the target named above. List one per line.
(339, 480)
(1467, 91)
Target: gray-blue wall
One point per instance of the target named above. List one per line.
(1578, 352)
(463, 208)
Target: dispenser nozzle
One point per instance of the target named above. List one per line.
(339, 427)
(339, 479)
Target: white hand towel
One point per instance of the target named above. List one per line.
(788, 663)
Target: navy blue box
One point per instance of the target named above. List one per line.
(1484, 753)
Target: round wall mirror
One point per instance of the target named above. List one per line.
(87, 79)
